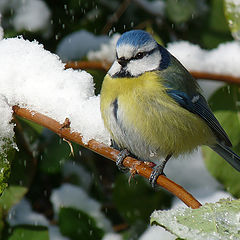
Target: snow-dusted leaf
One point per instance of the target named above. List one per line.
(232, 13)
(218, 221)
(225, 105)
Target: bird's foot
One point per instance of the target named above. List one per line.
(158, 171)
(154, 175)
(120, 158)
(133, 172)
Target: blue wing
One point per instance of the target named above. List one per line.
(198, 105)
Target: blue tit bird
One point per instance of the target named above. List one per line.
(154, 109)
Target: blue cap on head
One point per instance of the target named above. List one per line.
(135, 38)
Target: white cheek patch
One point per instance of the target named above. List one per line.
(135, 67)
(146, 64)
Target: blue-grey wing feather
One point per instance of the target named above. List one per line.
(183, 88)
(198, 105)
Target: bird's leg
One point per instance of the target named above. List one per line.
(158, 171)
(120, 157)
(114, 145)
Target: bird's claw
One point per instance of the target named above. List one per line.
(120, 158)
(154, 176)
(158, 171)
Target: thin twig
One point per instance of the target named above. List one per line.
(198, 75)
(114, 18)
(110, 153)
(88, 65)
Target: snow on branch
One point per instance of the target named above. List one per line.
(135, 166)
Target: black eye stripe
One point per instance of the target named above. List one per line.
(140, 55)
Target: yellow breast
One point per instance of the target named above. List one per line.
(150, 123)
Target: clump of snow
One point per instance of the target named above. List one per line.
(55, 234)
(76, 45)
(34, 78)
(30, 15)
(6, 127)
(91, 124)
(156, 8)
(72, 196)
(22, 213)
(112, 236)
(106, 52)
(222, 60)
(157, 233)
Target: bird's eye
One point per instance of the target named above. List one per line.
(139, 55)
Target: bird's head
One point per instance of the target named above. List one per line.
(136, 53)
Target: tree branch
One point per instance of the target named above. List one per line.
(115, 16)
(215, 76)
(97, 65)
(137, 166)
(198, 75)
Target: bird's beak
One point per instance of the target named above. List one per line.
(122, 62)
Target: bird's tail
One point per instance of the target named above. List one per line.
(227, 153)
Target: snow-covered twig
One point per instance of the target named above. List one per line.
(136, 166)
